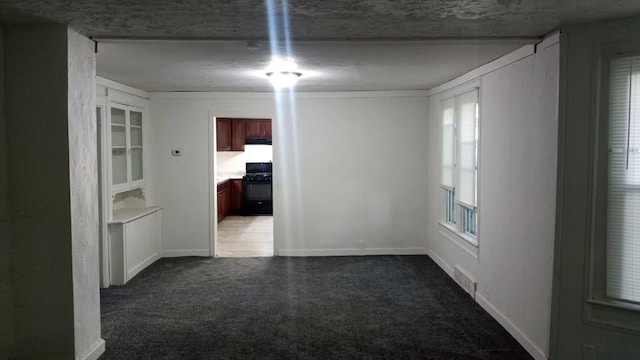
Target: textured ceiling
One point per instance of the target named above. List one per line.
(340, 44)
(325, 65)
(313, 19)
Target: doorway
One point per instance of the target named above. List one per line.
(242, 187)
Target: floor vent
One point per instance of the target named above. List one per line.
(465, 281)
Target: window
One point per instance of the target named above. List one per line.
(623, 185)
(459, 182)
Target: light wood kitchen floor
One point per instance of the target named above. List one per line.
(245, 236)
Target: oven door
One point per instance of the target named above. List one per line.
(257, 198)
(257, 191)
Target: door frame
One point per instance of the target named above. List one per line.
(213, 198)
(104, 194)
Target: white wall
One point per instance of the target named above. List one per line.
(83, 182)
(50, 119)
(518, 150)
(348, 169)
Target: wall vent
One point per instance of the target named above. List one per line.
(465, 281)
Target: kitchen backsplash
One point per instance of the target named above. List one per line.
(234, 161)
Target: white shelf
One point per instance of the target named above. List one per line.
(123, 216)
(117, 125)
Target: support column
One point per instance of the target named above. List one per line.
(53, 198)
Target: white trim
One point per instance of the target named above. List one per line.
(94, 352)
(459, 239)
(499, 63)
(440, 262)
(142, 265)
(110, 84)
(298, 95)
(426, 40)
(520, 336)
(179, 253)
(549, 40)
(213, 184)
(352, 252)
(105, 195)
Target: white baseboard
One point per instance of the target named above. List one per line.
(94, 352)
(443, 264)
(352, 252)
(528, 345)
(179, 253)
(136, 269)
(531, 348)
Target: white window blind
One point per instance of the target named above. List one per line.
(467, 112)
(623, 192)
(448, 142)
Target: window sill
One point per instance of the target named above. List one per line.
(615, 304)
(612, 314)
(471, 240)
(451, 234)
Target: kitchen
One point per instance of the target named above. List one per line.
(244, 159)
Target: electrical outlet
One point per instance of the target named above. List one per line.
(361, 244)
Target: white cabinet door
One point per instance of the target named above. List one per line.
(126, 142)
(134, 245)
(136, 144)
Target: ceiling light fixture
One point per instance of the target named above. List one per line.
(283, 73)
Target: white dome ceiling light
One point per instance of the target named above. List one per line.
(283, 73)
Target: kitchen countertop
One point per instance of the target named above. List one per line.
(220, 178)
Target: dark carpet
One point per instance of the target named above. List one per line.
(376, 307)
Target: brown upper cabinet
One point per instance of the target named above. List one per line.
(258, 128)
(232, 132)
(237, 134)
(223, 134)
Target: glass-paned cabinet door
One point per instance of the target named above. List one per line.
(119, 158)
(135, 133)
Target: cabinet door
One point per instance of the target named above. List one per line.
(266, 128)
(253, 128)
(224, 199)
(237, 135)
(119, 156)
(223, 131)
(236, 196)
(135, 139)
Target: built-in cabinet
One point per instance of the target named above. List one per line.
(126, 147)
(135, 242)
(131, 229)
(231, 133)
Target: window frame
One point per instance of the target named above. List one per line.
(602, 310)
(456, 209)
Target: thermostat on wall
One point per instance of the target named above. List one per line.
(176, 152)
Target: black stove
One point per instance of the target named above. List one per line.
(264, 177)
(257, 190)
